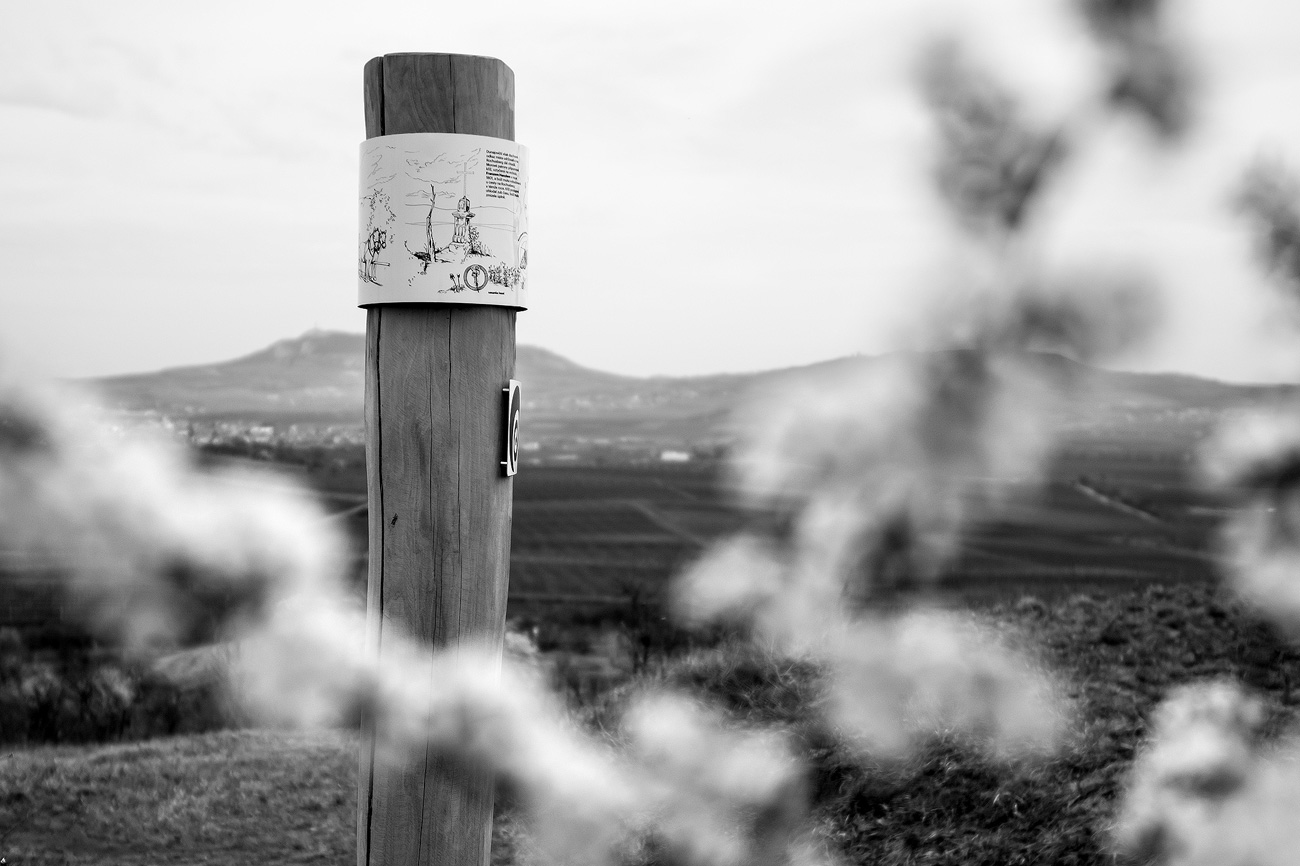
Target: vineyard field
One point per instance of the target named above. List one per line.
(599, 536)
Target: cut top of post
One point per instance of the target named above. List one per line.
(439, 93)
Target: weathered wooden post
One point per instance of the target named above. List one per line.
(439, 500)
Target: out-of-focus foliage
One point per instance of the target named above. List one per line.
(1150, 74)
(899, 681)
(876, 469)
(990, 163)
(1257, 456)
(1118, 652)
(159, 554)
(1269, 196)
(710, 792)
(1206, 790)
(993, 164)
(873, 471)
(156, 553)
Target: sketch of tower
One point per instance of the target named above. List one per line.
(462, 217)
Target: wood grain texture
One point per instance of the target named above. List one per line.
(375, 570)
(373, 94)
(440, 509)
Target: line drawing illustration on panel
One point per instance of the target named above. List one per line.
(446, 214)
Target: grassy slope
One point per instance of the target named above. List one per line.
(268, 797)
(1117, 656)
(236, 797)
(232, 797)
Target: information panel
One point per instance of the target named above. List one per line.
(444, 219)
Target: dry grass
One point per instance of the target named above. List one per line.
(234, 797)
(246, 796)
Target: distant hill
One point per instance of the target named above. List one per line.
(318, 375)
(319, 378)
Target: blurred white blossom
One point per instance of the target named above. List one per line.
(1255, 456)
(900, 680)
(155, 551)
(715, 794)
(159, 553)
(1205, 792)
(891, 451)
(872, 470)
(884, 461)
(1262, 559)
(718, 795)
(1257, 451)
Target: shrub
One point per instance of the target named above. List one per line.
(84, 700)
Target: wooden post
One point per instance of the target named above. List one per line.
(439, 506)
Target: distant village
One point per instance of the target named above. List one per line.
(273, 441)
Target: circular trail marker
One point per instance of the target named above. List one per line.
(513, 400)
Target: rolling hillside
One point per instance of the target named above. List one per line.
(1118, 505)
(318, 378)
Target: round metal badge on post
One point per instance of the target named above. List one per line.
(442, 270)
(510, 445)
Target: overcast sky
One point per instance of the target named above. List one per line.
(715, 186)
